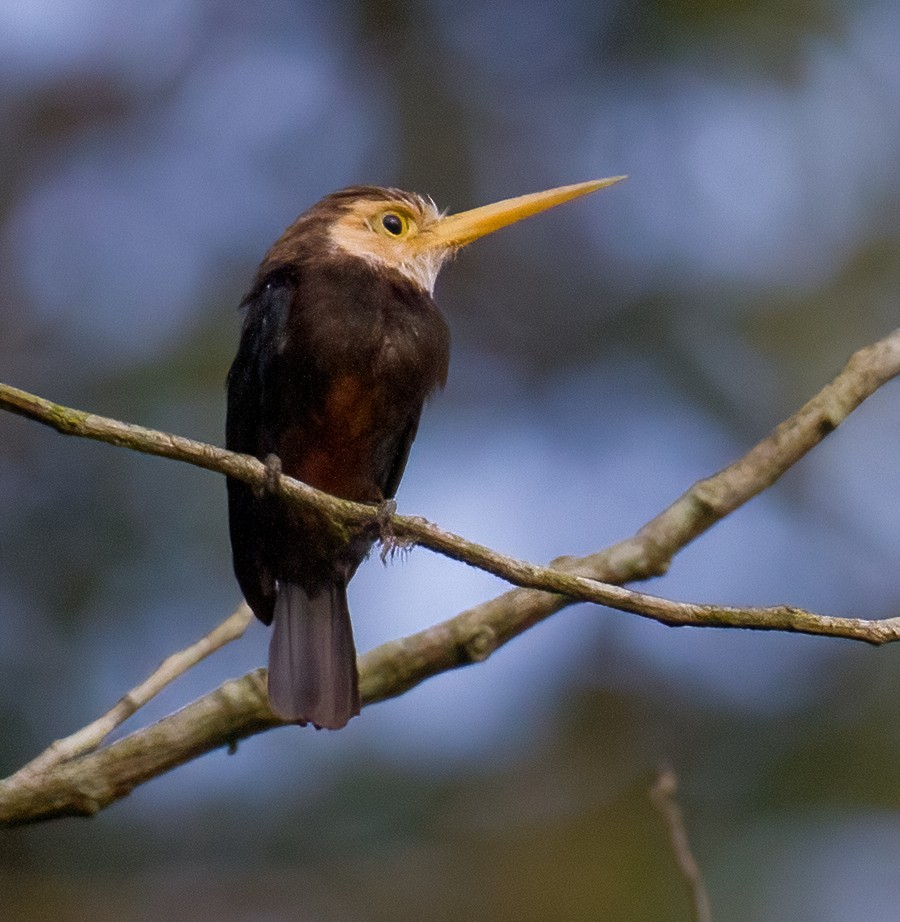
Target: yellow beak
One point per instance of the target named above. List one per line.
(456, 230)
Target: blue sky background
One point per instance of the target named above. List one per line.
(606, 356)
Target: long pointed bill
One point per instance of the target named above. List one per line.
(457, 230)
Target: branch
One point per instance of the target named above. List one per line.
(648, 553)
(239, 708)
(663, 794)
(90, 737)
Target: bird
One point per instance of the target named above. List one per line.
(341, 346)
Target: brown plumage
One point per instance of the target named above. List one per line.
(341, 346)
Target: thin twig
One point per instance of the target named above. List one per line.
(90, 737)
(663, 794)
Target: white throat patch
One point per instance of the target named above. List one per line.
(421, 267)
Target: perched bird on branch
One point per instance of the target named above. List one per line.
(341, 346)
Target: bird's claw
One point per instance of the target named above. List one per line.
(390, 543)
(273, 475)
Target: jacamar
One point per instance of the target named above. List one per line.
(341, 346)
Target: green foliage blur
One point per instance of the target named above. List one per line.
(605, 356)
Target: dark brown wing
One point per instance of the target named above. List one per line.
(394, 471)
(251, 428)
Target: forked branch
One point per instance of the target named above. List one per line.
(239, 708)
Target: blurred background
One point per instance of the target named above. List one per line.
(606, 355)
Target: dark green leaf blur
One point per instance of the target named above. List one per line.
(606, 355)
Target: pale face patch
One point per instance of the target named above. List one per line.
(396, 234)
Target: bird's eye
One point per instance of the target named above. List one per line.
(394, 224)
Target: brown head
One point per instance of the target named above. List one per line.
(392, 229)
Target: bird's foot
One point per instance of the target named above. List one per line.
(273, 476)
(384, 515)
(390, 543)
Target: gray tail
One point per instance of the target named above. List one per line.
(312, 660)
